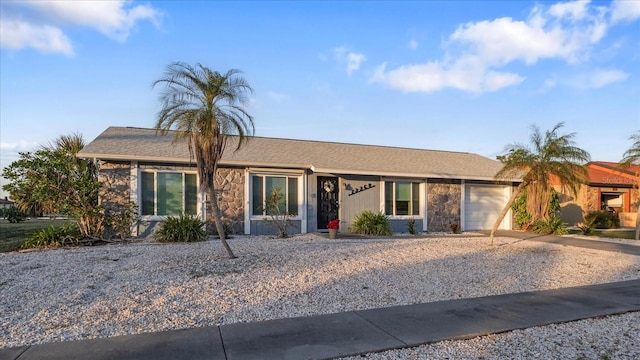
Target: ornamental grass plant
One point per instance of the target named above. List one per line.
(183, 228)
(369, 223)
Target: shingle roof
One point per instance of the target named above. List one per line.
(127, 143)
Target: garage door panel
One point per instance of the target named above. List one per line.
(483, 205)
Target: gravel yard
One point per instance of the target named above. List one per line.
(89, 292)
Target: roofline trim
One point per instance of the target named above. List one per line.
(292, 166)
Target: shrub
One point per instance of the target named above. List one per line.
(552, 226)
(53, 236)
(121, 222)
(411, 224)
(184, 228)
(368, 223)
(278, 216)
(13, 215)
(455, 228)
(522, 217)
(602, 220)
(585, 229)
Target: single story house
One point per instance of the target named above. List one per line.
(321, 181)
(609, 188)
(6, 203)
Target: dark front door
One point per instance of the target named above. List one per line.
(327, 200)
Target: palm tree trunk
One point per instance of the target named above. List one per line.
(215, 213)
(505, 210)
(638, 223)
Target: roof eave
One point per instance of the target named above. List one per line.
(293, 166)
(407, 175)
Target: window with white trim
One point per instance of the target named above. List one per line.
(401, 198)
(166, 193)
(263, 185)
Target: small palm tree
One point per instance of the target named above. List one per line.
(205, 107)
(550, 155)
(632, 157)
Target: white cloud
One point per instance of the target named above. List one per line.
(351, 60)
(574, 10)
(434, 76)
(549, 84)
(476, 51)
(413, 44)
(602, 78)
(18, 146)
(112, 18)
(277, 97)
(44, 32)
(625, 10)
(16, 35)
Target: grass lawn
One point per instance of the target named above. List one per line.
(618, 234)
(13, 235)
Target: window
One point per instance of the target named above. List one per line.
(168, 193)
(263, 185)
(401, 198)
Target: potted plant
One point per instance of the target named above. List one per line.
(333, 226)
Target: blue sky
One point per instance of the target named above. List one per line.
(466, 76)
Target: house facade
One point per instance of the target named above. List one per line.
(609, 188)
(320, 181)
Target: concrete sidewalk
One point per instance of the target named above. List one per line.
(359, 332)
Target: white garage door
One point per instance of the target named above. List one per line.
(483, 204)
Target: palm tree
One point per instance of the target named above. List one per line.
(205, 107)
(632, 157)
(550, 155)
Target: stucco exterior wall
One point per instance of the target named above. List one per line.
(443, 205)
(572, 206)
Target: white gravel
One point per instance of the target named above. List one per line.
(89, 292)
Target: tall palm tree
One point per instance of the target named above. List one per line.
(551, 154)
(632, 157)
(205, 107)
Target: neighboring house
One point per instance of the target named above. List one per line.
(321, 181)
(6, 203)
(610, 188)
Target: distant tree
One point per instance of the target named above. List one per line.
(205, 107)
(52, 179)
(550, 154)
(632, 157)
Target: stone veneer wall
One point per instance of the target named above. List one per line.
(592, 200)
(116, 190)
(115, 177)
(443, 206)
(230, 191)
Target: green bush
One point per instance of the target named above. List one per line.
(368, 223)
(184, 228)
(585, 229)
(602, 220)
(411, 225)
(552, 226)
(13, 215)
(121, 222)
(54, 236)
(522, 217)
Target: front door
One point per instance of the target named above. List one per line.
(327, 200)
